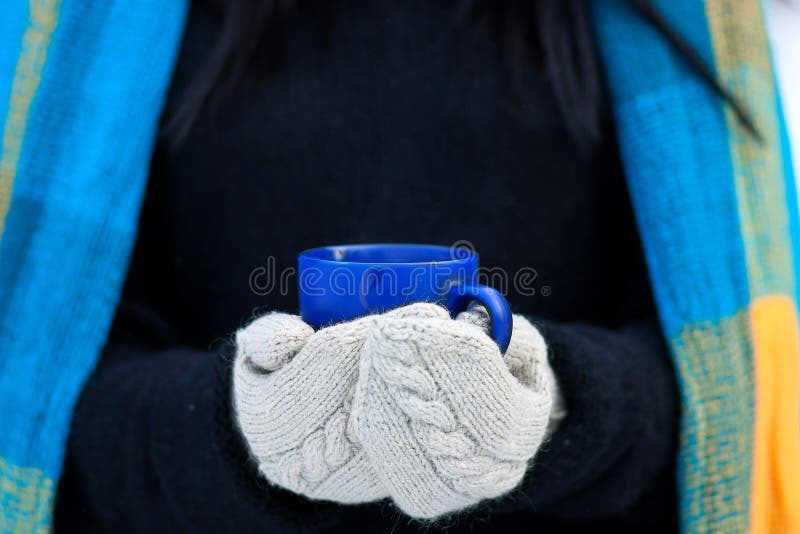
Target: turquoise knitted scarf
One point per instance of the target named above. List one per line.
(82, 85)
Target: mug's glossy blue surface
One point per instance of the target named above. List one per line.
(344, 282)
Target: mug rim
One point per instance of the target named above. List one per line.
(310, 254)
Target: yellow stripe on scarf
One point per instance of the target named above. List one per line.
(26, 499)
(775, 506)
(27, 76)
(742, 57)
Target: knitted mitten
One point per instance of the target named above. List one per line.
(445, 420)
(408, 404)
(292, 392)
(526, 357)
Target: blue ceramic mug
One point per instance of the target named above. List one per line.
(339, 283)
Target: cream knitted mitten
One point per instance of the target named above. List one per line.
(293, 392)
(443, 420)
(409, 404)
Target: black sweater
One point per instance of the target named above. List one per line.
(392, 132)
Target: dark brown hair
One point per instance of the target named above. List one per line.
(553, 33)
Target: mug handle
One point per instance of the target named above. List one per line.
(460, 296)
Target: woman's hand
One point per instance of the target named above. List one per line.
(409, 404)
(293, 391)
(445, 421)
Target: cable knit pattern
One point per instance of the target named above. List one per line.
(408, 404)
(293, 392)
(438, 409)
